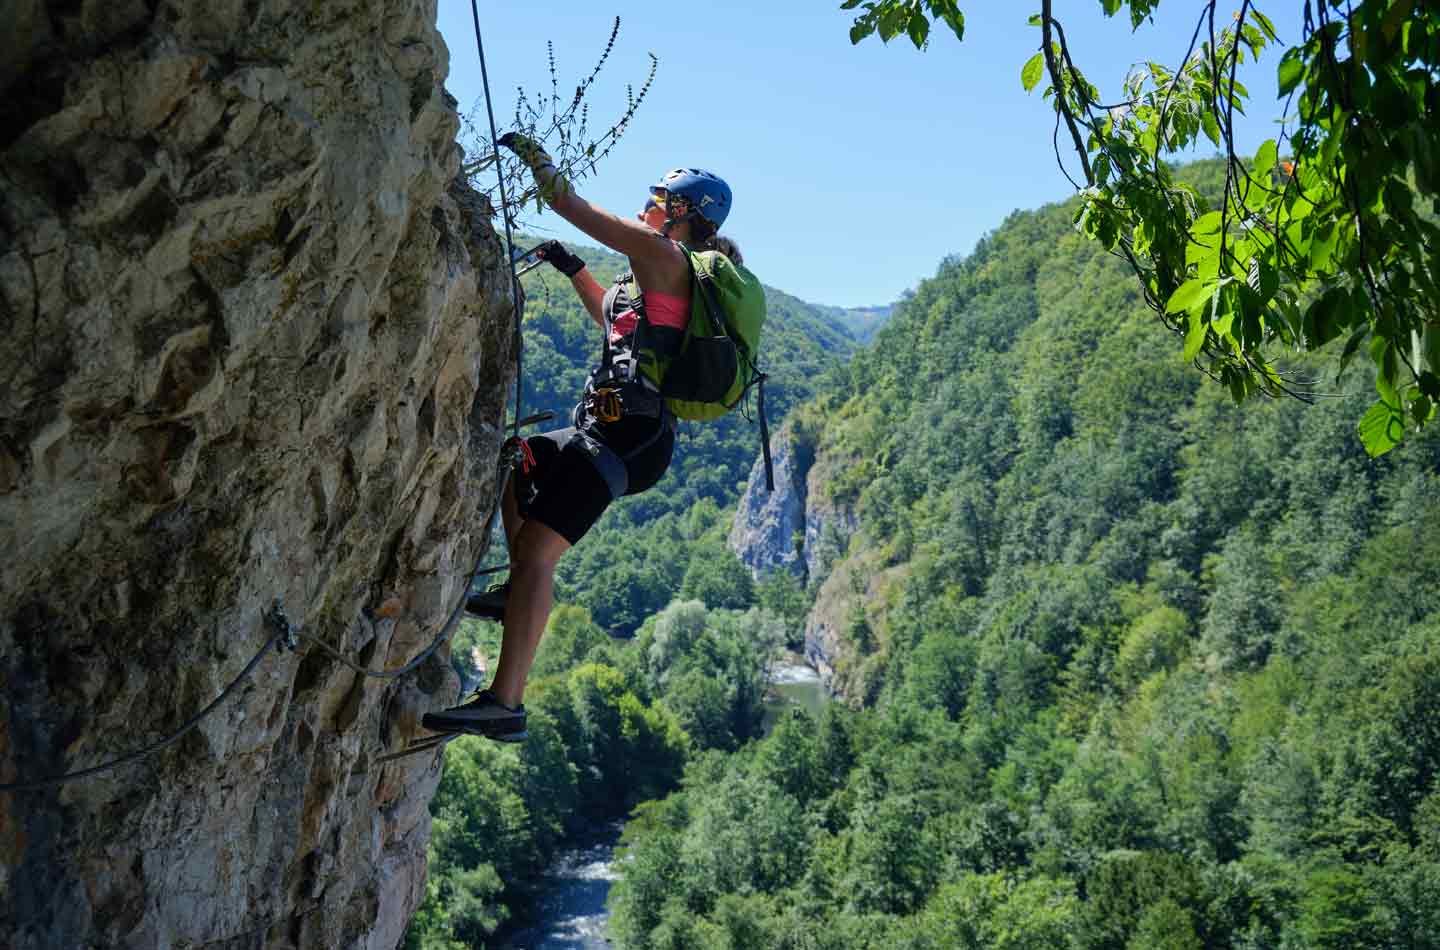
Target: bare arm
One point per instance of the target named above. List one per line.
(622, 235)
(591, 294)
(653, 257)
(655, 260)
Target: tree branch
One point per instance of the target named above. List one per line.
(1062, 103)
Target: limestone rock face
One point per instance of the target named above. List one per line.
(255, 345)
(768, 524)
(828, 529)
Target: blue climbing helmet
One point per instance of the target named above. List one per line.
(708, 194)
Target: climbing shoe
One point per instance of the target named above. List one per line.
(484, 716)
(489, 605)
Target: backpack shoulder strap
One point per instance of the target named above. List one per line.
(702, 278)
(708, 294)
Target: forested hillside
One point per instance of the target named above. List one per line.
(1127, 666)
(657, 529)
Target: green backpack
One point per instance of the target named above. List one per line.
(715, 363)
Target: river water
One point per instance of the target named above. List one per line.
(572, 913)
(793, 684)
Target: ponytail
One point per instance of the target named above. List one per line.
(729, 248)
(704, 237)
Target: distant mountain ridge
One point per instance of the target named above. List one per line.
(861, 322)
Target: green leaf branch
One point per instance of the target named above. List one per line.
(1327, 232)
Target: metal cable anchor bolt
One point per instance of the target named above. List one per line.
(280, 623)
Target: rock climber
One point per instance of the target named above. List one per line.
(623, 433)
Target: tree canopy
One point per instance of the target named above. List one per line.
(1122, 665)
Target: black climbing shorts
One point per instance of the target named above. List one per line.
(566, 492)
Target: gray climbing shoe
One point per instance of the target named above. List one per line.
(489, 605)
(483, 715)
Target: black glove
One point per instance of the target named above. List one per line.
(555, 254)
(529, 150)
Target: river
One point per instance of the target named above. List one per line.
(572, 913)
(792, 683)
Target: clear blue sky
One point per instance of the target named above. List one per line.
(855, 169)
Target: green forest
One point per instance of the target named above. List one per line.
(1124, 665)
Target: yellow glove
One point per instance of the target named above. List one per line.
(529, 150)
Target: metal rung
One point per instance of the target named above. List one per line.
(537, 418)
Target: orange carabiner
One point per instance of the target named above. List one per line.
(605, 404)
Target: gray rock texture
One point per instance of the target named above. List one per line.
(799, 528)
(768, 525)
(828, 529)
(255, 345)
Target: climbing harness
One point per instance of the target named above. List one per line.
(287, 636)
(604, 404)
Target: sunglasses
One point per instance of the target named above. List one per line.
(677, 203)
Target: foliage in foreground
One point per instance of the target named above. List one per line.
(1327, 234)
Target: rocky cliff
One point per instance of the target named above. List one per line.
(829, 526)
(800, 528)
(254, 348)
(768, 531)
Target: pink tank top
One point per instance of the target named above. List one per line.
(663, 310)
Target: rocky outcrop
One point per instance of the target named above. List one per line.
(255, 346)
(769, 525)
(823, 645)
(829, 526)
(802, 529)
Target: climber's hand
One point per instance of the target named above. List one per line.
(529, 150)
(552, 185)
(555, 254)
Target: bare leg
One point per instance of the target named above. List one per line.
(510, 513)
(533, 554)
